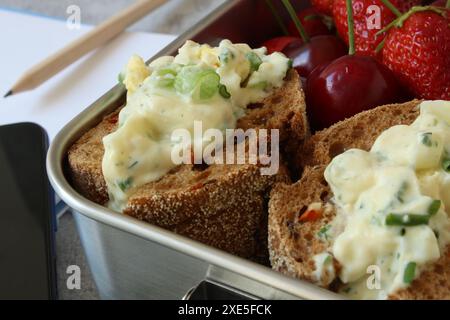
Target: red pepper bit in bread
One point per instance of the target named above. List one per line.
(313, 213)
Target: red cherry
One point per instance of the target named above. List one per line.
(318, 50)
(312, 21)
(347, 86)
(279, 43)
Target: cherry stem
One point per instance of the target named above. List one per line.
(351, 27)
(301, 30)
(391, 7)
(277, 17)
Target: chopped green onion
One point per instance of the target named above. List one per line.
(434, 207)
(436, 234)
(402, 191)
(426, 139)
(200, 83)
(126, 184)
(165, 72)
(226, 55)
(402, 232)
(209, 85)
(224, 92)
(133, 165)
(410, 272)
(446, 165)
(328, 259)
(260, 85)
(165, 77)
(406, 220)
(323, 232)
(121, 77)
(290, 63)
(255, 61)
(347, 290)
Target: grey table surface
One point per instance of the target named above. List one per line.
(174, 17)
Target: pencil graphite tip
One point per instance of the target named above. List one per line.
(8, 94)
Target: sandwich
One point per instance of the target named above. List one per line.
(369, 216)
(125, 161)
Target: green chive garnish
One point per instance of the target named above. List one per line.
(434, 207)
(410, 272)
(407, 220)
(120, 77)
(255, 61)
(224, 92)
(402, 192)
(126, 184)
(166, 77)
(446, 165)
(260, 85)
(226, 55)
(323, 232)
(290, 63)
(426, 139)
(133, 164)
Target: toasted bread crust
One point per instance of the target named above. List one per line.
(220, 205)
(292, 244)
(85, 161)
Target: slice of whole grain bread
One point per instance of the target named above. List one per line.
(224, 206)
(293, 242)
(360, 132)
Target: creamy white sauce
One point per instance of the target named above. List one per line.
(380, 191)
(164, 96)
(324, 272)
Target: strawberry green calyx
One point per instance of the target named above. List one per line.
(298, 24)
(351, 27)
(447, 5)
(400, 20)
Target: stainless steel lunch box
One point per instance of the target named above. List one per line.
(130, 259)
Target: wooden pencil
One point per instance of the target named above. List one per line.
(98, 36)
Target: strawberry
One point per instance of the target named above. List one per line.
(442, 4)
(323, 6)
(312, 21)
(417, 50)
(366, 40)
(405, 5)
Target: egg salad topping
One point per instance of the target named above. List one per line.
(392, 205)
(213, 85)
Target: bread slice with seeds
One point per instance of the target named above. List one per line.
(224, 206)
(360, 132)
(294, 241)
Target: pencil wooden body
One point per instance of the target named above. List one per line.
(88, 42)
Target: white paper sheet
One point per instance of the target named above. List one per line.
(27, 39)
